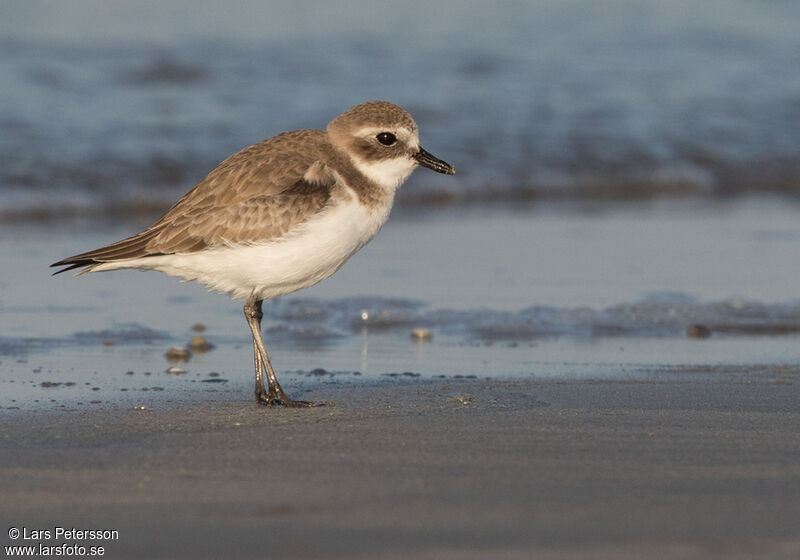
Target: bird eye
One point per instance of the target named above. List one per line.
(386, 138)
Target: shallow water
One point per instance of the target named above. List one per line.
(107, 107)
(602, 151)
(555, 293)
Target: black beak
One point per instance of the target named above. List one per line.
(427, 160)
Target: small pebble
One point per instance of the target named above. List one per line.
(421, 334)
(463, 399)
(198, 327)
(176, 354)
(200, 344)
(107, 342)
(138, 407)
(698, 331)
(175, 370)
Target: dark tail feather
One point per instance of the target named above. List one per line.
(132, 247)
(71, 265)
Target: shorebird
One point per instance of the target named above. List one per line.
(279, 216)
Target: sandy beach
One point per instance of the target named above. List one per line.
(622, 437)
(689, 468)
(606, 362)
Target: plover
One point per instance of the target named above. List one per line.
(279, 216)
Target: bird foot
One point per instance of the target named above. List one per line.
(275, 398)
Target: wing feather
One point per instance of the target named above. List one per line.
(257, 194)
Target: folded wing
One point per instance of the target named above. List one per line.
(256, 195)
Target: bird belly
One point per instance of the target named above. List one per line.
(305, 256)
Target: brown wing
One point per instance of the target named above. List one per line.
(255, 195)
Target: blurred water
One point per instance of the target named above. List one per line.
(116, 106)
(503, 295)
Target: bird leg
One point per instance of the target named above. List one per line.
(275, 395)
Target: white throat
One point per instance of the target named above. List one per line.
(388, 173)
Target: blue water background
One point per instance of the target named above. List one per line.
(110, 107)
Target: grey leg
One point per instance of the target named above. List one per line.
(261, 392)
(275, 396)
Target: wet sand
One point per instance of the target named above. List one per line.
(695, 467)
(609, 442)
